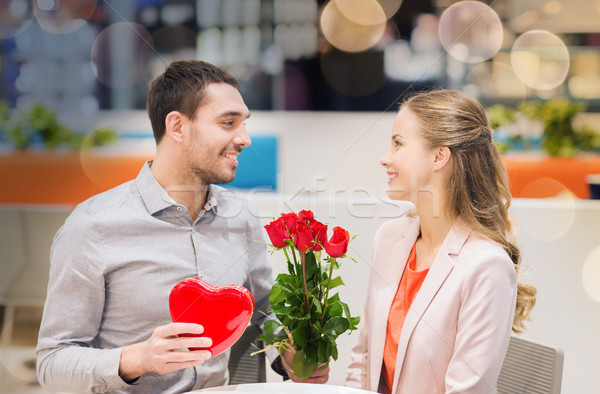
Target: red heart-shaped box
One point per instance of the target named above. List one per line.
(224, 312)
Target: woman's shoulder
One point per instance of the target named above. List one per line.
(484, 254)
(393, 230)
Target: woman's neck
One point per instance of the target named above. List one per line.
(435, 224)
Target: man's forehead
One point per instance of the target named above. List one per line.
(224, 100)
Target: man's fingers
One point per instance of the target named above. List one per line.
(188, 342)
(175, 329)
(198, 356)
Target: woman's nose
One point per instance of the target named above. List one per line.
(385, 159)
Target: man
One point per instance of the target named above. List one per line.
(106, 323)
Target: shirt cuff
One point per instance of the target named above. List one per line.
(109, 373)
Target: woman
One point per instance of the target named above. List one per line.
(443, 294)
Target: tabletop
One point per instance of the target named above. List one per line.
(285, 387)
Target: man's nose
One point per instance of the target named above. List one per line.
(242, 137)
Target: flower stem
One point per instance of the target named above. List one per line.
(325, 305)
(288, 257)
(306, 300)
(296, 261)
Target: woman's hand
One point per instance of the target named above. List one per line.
(165, 351)
(319, 376)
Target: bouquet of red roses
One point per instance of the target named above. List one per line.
(311, 318)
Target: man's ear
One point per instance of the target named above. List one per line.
(175, 124)
(442, 157)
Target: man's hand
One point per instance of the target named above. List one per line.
(165, 351)
(319, 376)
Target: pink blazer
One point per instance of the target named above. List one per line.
(456, 334)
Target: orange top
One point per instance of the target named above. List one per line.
(407, 290)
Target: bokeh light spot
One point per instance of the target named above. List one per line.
(353, 25)
(15, 16)
(549, 227)
(390, 7)
(540, 59)
(64, 16)
(134, 45)
(590, 274)
(471, 31)
(496, 79)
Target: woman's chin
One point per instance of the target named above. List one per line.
(399, 195)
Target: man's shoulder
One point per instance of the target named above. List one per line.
(103, 202)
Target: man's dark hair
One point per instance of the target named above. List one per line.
(181, 88)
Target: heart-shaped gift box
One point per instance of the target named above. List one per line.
(224, 312)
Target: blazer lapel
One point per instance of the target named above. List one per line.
(390, 272)
(438, 272)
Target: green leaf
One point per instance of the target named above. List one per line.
(335, 282)
(324, 351)
(317, 305)
(285, 279)
(336, 325)
(278, 294)
(281, 335)
(301, 367)
(335, 310)
(346, 309)
(334, 351)
(301, 332)
(280, 309)
(270, 327)
(311, 352)
(290, 268)
(333, 299)
(311, 265)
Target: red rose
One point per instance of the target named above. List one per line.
(319, 233)
(303, 238)
(289, 220)
(338, 243)
(277, 233)
(307, 216)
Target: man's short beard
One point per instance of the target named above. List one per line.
(211, 177)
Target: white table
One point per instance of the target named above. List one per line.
(286, 387)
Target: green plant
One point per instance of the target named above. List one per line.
(40, 123)
(500, 115)
(310, 318)
(560, 137)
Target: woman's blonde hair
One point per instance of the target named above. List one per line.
(477, 189)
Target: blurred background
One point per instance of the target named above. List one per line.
(87, 55)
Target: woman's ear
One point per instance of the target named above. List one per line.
(175, 125)
(442, 158)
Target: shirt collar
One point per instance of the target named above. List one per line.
(157, 199)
